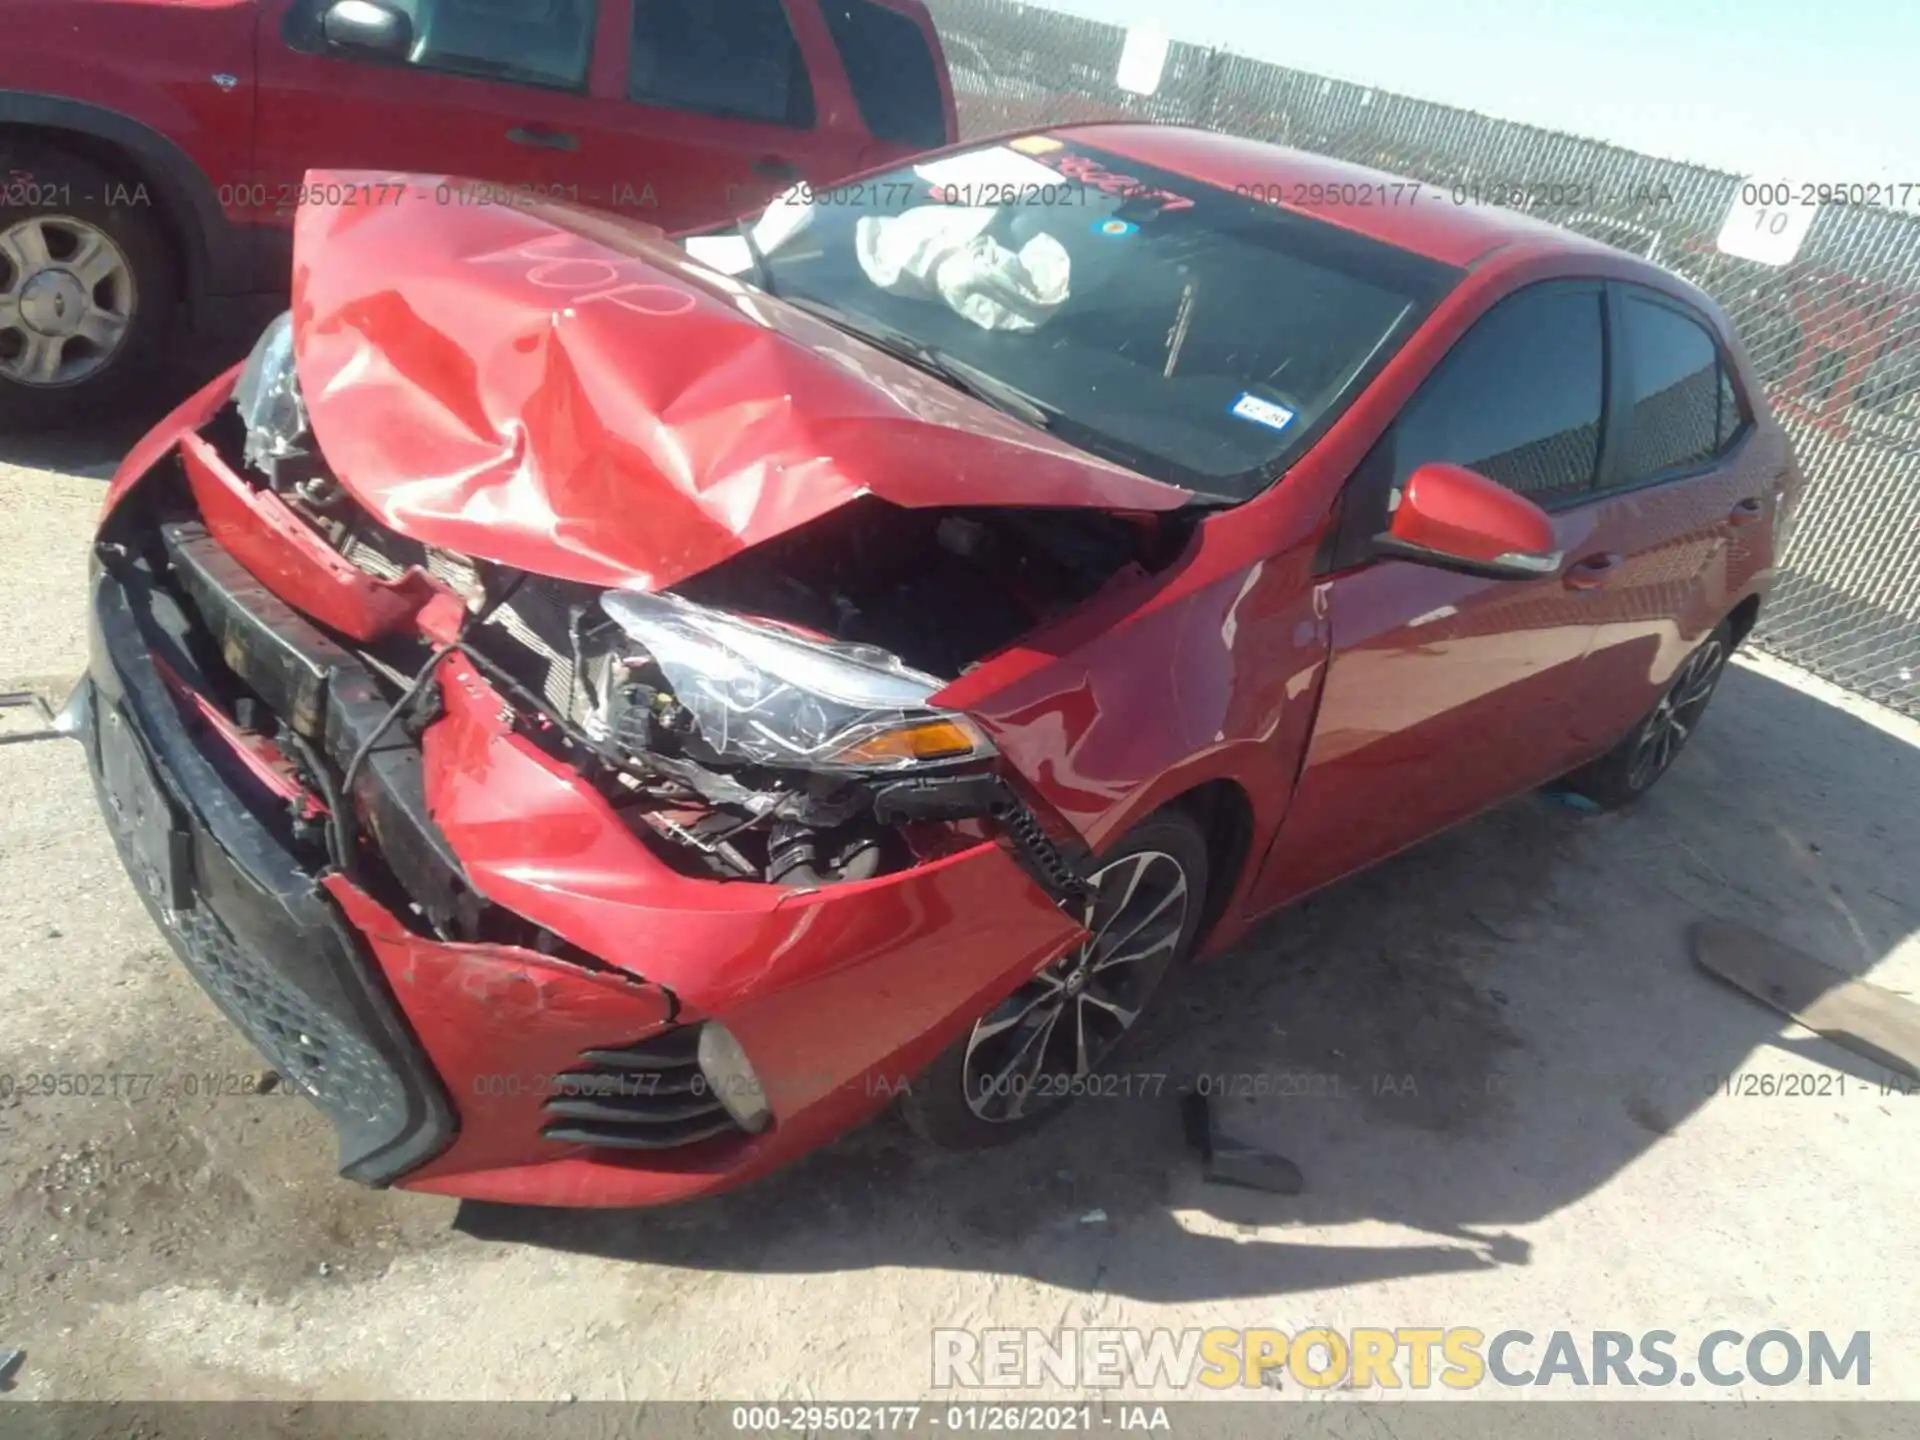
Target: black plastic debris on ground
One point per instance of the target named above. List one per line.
(1230, 1161)
(10, 1363)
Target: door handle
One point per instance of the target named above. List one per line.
(1747, 511)
(1590, 573)
(777, 168)
(539, 137)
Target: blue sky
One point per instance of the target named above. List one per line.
(1823, 91)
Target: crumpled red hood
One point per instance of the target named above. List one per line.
(565, 392)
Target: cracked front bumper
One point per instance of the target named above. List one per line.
(439, 1063)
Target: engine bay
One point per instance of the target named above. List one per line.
(941, 589)
(920, 596)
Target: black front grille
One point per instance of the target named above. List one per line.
(307, 1047)
(241, 910)
(327, 696)
(646, 1096)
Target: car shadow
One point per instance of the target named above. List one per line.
(1462, 1041)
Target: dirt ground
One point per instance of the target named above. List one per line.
(1554, 1149)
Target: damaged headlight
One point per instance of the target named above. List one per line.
(759, 694)
(267, 395)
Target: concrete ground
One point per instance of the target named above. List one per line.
(1555, 1148)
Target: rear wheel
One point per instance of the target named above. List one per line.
(87, 290)
(1628, 771)
(1023, 1060)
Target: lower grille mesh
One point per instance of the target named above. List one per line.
(310, 1049)
(306, 1048)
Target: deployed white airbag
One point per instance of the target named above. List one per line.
(940, 252)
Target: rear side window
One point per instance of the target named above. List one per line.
(529, 42)
(892, 71)
(1676, 392)
(732, 58)
(1518, 398)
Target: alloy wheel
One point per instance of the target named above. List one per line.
(67, 300)
(1672, 721)
(1056, 1029)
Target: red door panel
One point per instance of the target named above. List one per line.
(329, 111)
(667, 150)
(1445, 694)
(1672, 584)
(1687, 547)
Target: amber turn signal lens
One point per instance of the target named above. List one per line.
(927, 740)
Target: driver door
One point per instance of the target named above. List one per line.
(497, 93)
(1447, 693)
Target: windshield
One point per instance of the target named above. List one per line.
(1195, 335)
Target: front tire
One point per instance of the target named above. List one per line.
(87, 289)
(1025, 1059)
(1628, 771)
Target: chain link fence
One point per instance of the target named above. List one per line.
(1835, 334)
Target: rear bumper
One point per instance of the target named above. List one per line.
(442, 1064)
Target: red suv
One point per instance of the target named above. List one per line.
(152, 152)
(605, 715)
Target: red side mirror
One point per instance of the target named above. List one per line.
(1457, 519)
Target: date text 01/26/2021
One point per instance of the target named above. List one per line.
(1805, 1085)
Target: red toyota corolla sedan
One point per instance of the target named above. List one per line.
(606, 714)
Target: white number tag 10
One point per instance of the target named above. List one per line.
(1766, 223)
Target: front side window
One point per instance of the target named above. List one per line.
(1193, 335)
(894, 79)
(1675, 405)
(529, 42)
(1518, 398)
(737, 59)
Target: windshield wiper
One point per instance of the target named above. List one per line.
(969, 379)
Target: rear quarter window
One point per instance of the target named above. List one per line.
(895, 79)
(1677, 392)
(732, 58)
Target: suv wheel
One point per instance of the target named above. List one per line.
(1024, 1059)
(87, 291)
(1628, 771)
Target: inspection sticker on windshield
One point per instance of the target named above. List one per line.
(1262, 412)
